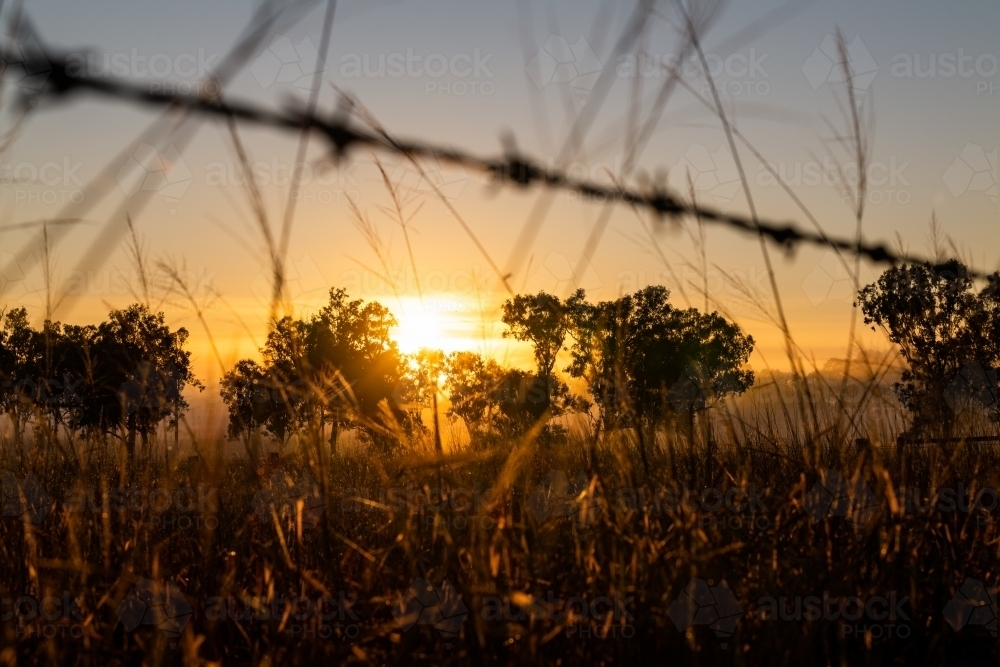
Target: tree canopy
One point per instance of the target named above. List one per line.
(126, 375)
(941, 323)
(338, 367)
(643, 359)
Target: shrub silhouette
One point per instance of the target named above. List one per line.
(544, 321)
(124, 376)
(337, 367)
(941, 324)
(645, 360)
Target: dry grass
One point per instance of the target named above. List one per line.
(524, 529)
(498, 523)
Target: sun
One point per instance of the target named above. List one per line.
(418, 328)
(444, 322)
(439, 323)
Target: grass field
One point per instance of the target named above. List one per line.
(787, 523)
(554, 548)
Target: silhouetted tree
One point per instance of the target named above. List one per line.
(941, 324)
(544, 321)
(138, 372)
(59, 369)
(491, 398)
(472, 384)
(40, 373)
(424, 370)
(15, 364)
(339, 366)
(247, 394)
(290, 380)
(125, 376)
(645, 360)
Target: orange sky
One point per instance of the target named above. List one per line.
(931, 150)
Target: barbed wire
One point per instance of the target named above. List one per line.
(511, 169)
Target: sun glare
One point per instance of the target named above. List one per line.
(418, 329)
(433, 323)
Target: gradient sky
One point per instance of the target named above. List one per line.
(927, 71)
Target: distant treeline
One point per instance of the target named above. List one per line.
(122, 377)
(644, 362)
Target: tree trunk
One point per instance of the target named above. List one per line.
(642, 447)
(437, 426)
(334, 436)
(130, 436)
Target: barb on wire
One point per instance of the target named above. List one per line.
(512, 169)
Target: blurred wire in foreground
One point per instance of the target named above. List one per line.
(511, 169)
